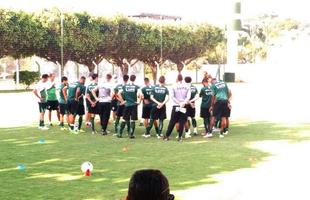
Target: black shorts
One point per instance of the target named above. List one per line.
(120, 110)
(42, 107)
(160, 114)
(130, 113)
(90, 109)
(146, 111)
(73, 107)
(221, 109)
(104, 109)
(178, 116)
(190, 111)
(81, 109)
(52, 105)
(114, 105)
(63, 109)
(205, 113)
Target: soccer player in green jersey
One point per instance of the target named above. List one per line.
(205, 106)
(73, 97)
(129, 97)
(40, 92)
(91, 102)
(52, 102)
(81, 107)
(159, 96)
(63, 107)
(120, 108)
(220, 103)
(147, 104)
(190, 109)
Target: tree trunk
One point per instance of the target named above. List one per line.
(180, 67)
(154, 72)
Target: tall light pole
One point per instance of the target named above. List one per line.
(62, 42)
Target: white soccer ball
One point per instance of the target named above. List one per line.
(87, 165)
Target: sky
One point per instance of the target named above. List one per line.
(213, 11)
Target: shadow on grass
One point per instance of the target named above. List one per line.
(53, 169)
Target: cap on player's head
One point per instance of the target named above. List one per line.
(188, 79)
(125, 78)
(108, 76)
(162, 79)
(180, 78)
(133, 78)
(64, 79)
(44, 76)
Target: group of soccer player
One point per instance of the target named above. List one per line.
(103, 98)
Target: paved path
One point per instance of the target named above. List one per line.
(283, 176)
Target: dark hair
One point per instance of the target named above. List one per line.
(125, 78)
(180, 77)
(132, 78)
(146, 80)
(188, 79)
(162, 79)
(109, 76)
(44, 76)
(83, 77)
(205, 80)
(148, 184)
(64, 78)
(94, 76)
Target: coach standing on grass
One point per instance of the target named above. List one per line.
(40, 92)
(104, 98)
(180, 95)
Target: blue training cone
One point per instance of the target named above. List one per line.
(21, 167)
(41, 141)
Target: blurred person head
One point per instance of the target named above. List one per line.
(149, 184)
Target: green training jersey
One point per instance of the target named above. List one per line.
(82, 92)
(146, 91)
(130, 94)
(90, 87)
(206, 95)
(159, 93)
(220, 90)
(194, 91)
(72, 90)
(61, 95)
(118, 89)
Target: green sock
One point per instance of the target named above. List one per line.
(194, 122)
(80, 122)
(128, 127)
(133, 127)
(61, 124)
(116, 124)
(160, 126)
(149, 127)
(121, 129)
(206, 124)
(92, 121)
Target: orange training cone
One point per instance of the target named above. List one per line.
(87, 173)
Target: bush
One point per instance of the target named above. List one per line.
(27, 77)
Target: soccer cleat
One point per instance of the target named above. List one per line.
(119, 136)
(165, 138)
(188, 136)
(180, 139)
(63, 128)
(74, 132)
(94, 132)
(195, 133)
(114, 134)
(104, 133)
(50, 124)
(208, 135)
(221, 135)
(44, 128)
(226, 132)
(132, 137)
(158, 137)
(146, 135)
(81, 131)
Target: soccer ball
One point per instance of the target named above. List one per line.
(87, 166)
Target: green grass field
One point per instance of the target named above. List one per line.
(52, 169)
